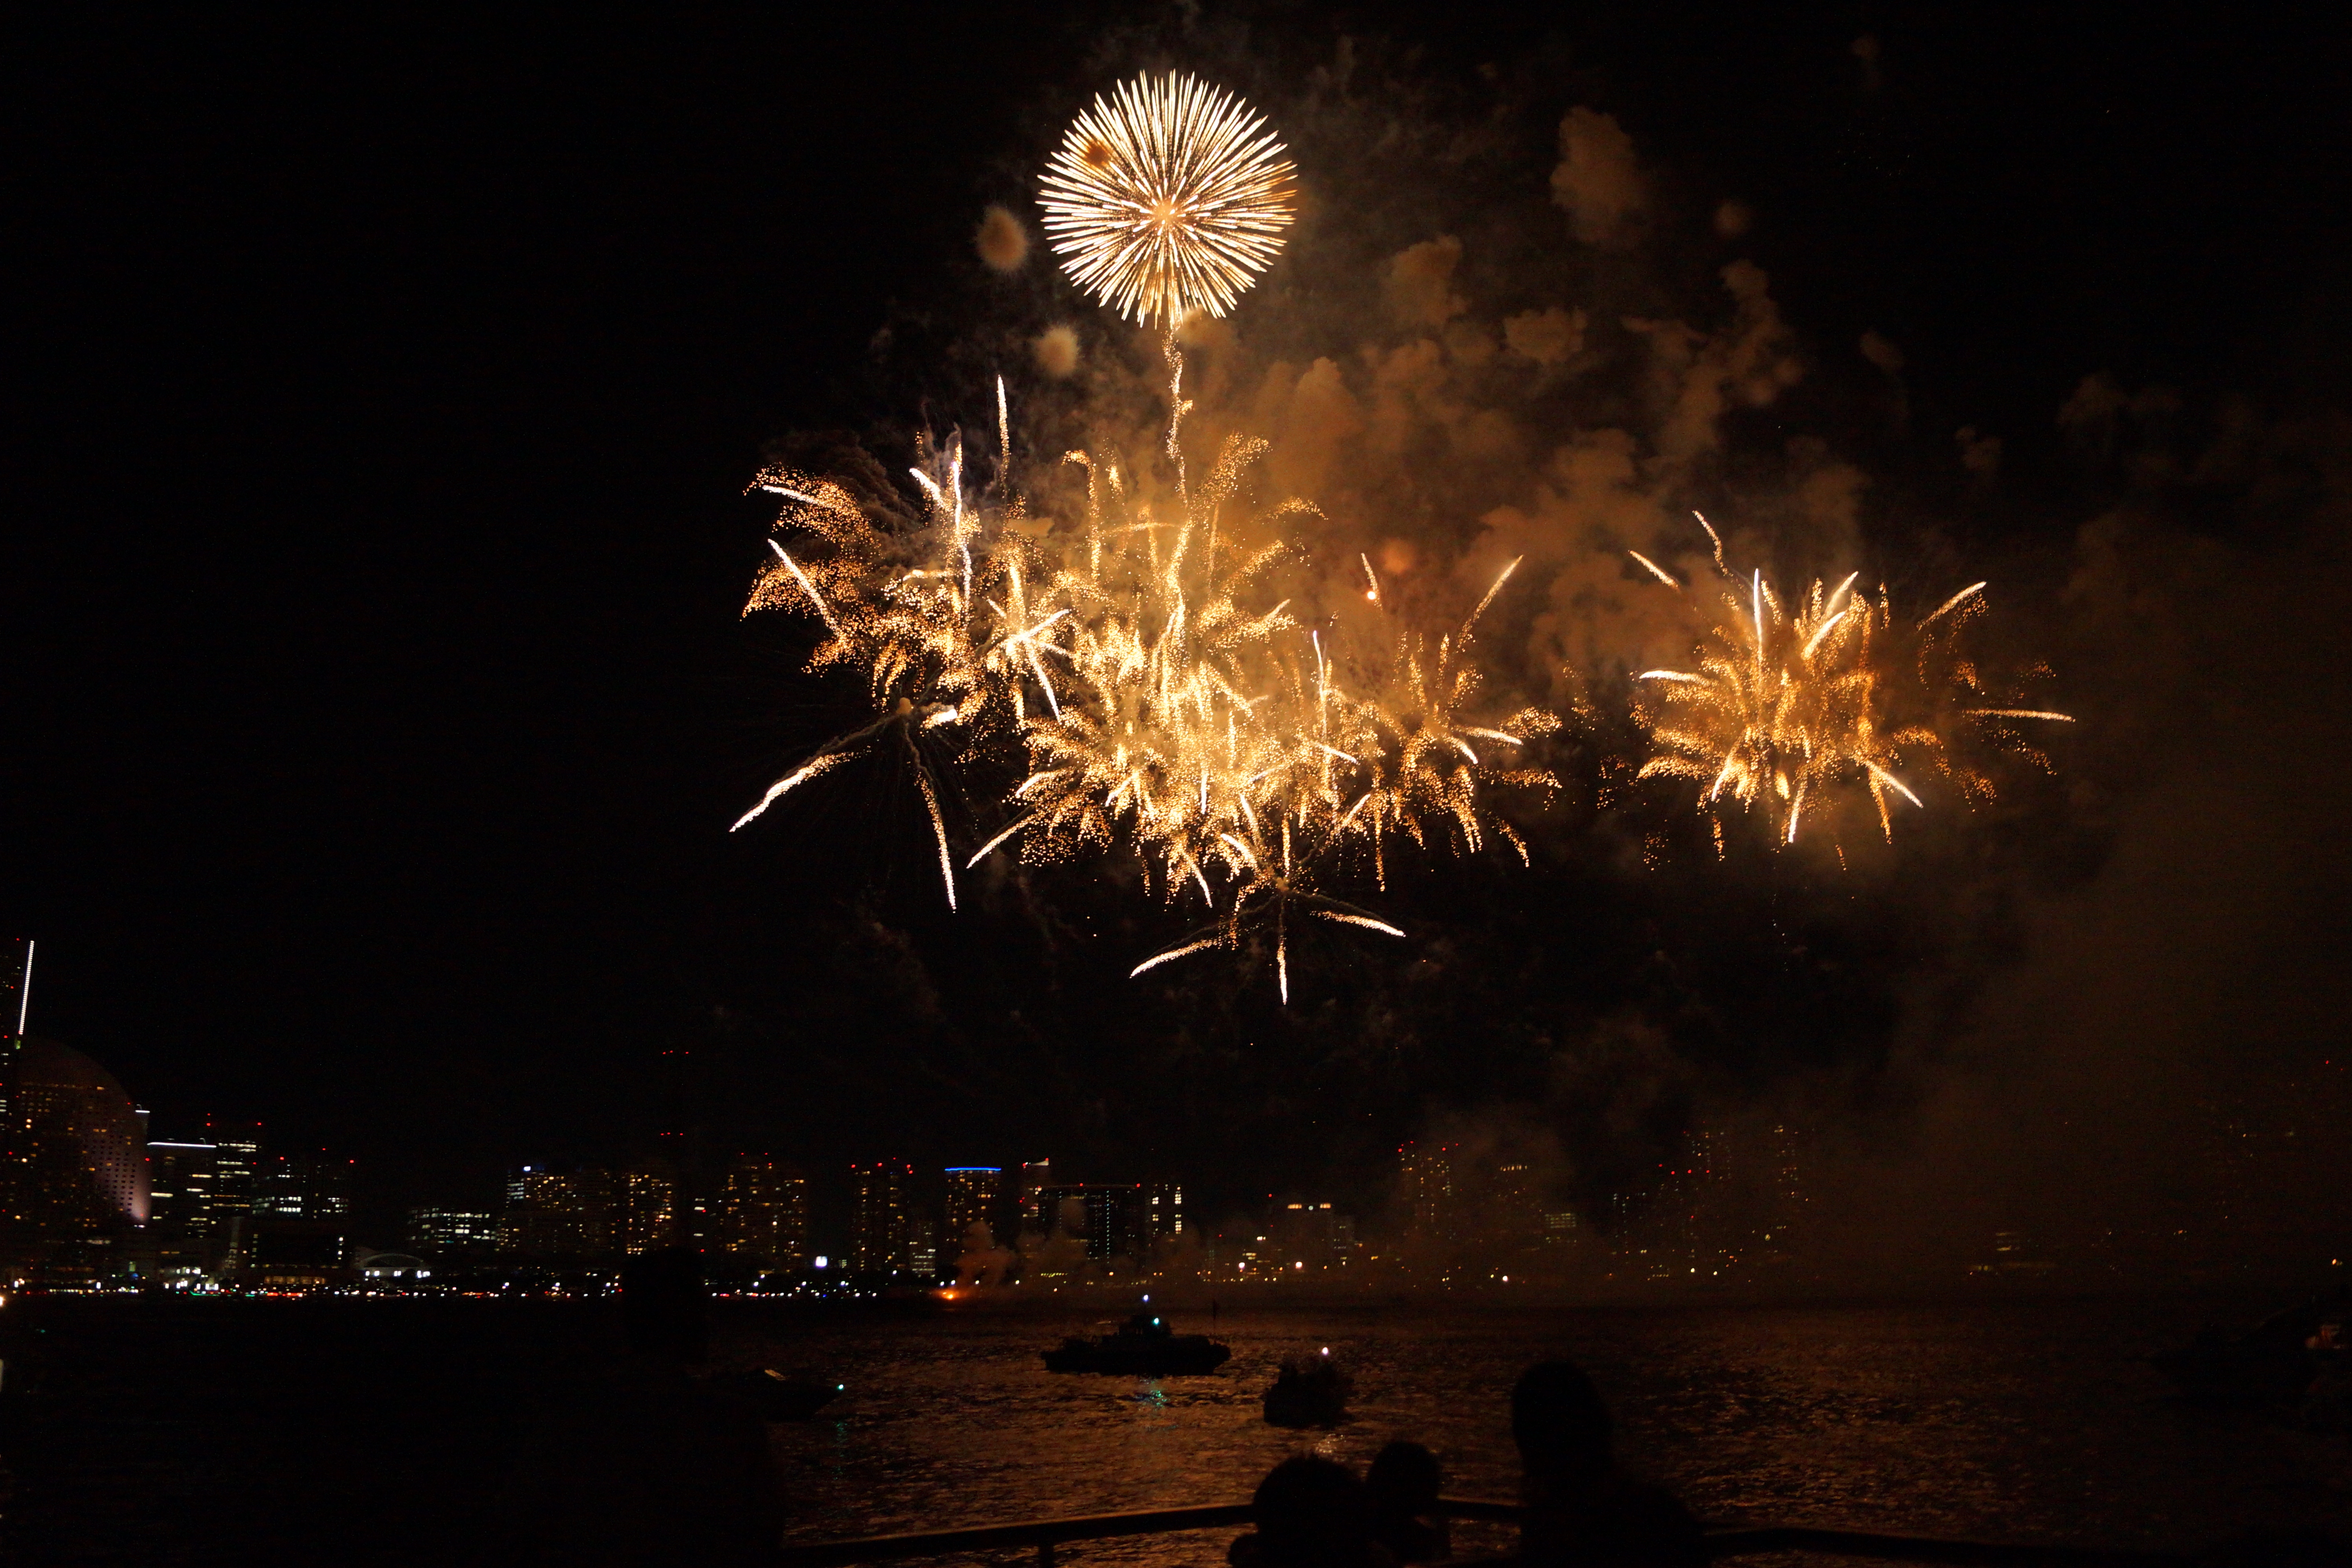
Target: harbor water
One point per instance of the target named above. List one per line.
(162, 1432)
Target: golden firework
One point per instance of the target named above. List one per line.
(1793, 702)
(1160, 693)
(1167, 198)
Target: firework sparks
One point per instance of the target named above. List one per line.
(1167, 199)
(1154, 697)
(1793, 702)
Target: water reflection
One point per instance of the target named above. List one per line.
(2011, 1421)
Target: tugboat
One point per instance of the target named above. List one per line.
(1143, 1346)
(1308, 1391)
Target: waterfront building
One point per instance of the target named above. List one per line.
(287, 1255)
(1514, 1214)
(649, 1210)
(16, 983)
(236, 1170)
(180, 1198)
(972, 1201)
(921, 1257)
(562, 1216)
(764, 1212)
(1061, 1211)
(1159, 1216)
(73, 1164)
(1684, 1235)
(878, 1216)
(1036, 1175)
(1103, 1216)
(1308, 1238)
(1426, 1189)
(303, 1186)
(298, 1230)
(444, 1233)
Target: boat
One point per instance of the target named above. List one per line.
(1308, 1391)
(1143, 1346)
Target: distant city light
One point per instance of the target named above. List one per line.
(821, 1260)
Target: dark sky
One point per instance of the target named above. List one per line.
(380, 393)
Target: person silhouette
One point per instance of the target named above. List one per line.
(1404, 1484)
(1583, 1509)
(1310, 1512)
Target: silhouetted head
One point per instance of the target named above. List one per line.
(1404, 1479)
(1311, 1513)
(1558, 1420)
(662, 1304)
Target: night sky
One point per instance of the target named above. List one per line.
(381, 396)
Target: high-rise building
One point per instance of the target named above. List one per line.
(878, 1215)
(649, 1205)
(563, 1216)
(73, 1163)
(1036, 1175)
(1109, 1216)
(237, 1172)
(1061, 1210)
(1781, 1221)
(1308, 1237)
(1160, 1213)
(1513, 1221)
(1110, 1219)
(437, 1233)
(298, 1233)
(764, 1212)
(16, 988)
(1682, 1236)
(302, 1186)
(922, 1250)
(971, 1200)
(180, 1195)
(1426, 1189)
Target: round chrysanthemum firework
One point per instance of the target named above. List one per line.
(1167, 198)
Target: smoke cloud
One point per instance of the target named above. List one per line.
(1000, 240)
(1597, 181)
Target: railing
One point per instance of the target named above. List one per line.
(1735, 1541)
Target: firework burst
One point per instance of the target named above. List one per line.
(1796, 703)
(1167, 198)
(1157, 692)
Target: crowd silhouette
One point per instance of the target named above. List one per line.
(1583, 1509)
